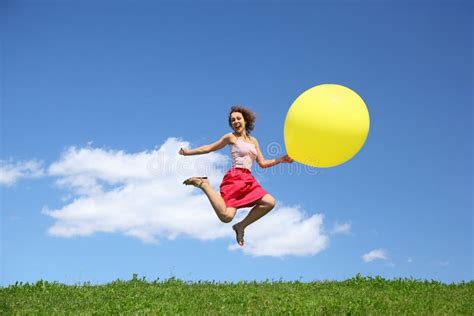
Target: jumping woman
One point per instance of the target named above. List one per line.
(239, 188)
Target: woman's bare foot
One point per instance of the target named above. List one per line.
(196, 181)
(239, 234)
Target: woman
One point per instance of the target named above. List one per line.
(238, 188)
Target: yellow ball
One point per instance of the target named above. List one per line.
(326, 126)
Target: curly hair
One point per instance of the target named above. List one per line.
(249, 117)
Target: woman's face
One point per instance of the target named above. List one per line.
(237, 121)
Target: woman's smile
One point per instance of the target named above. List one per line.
(238, 122)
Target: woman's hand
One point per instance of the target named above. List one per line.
(183, 151)
(286, 159)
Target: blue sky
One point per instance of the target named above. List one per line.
(98, 96)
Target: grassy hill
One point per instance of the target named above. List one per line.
(358, 295)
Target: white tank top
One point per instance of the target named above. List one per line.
(242, 154)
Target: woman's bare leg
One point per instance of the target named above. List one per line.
(264, 205)
(224, 213)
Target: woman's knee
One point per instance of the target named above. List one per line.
(268, 200)
(228, 215)
(226, 218)
(272, 202)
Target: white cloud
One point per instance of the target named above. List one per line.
(375, 254)
(284, 231)
(141, 195)
(11, 172)
(344, 228)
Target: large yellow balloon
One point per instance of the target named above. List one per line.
(326, 126)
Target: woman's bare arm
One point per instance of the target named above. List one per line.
(221, 143)
(263, 163)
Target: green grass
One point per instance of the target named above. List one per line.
(356, 296)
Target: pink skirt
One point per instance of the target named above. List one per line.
(240, 189)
